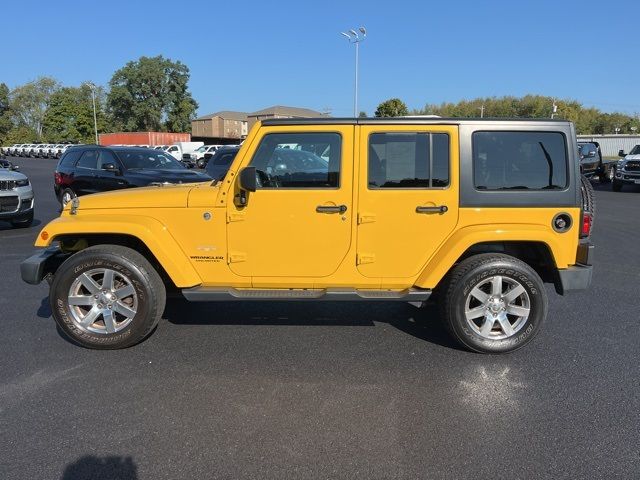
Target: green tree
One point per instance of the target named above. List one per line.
(587, 120)
(394, 107)
(29, 103)
(151, 94)
(362, 114)
(6, 120)
(70, 115)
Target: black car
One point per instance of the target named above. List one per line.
(7, 164)
(91, 168)
(218, 164)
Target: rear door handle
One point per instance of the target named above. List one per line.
(331, 209)
(439, 209)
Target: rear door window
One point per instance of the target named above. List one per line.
(89, 159)
(408, 160)
(519, 160)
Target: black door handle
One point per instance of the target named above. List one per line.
(331, 209)
(439, 209)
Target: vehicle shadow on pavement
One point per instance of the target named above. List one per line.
(44, 310)
(606, 187)
(423, 323)
(101, 468)
(7, 225)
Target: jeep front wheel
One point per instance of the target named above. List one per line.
(494, 303)
(107, 297)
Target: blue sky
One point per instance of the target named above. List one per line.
(247, 55)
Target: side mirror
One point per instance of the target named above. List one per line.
(110, 167)
(621, 153)
(248, 179)
(15, 167)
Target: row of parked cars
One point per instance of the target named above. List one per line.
(625, 171)
(36, 150)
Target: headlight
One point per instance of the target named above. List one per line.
(22, 183)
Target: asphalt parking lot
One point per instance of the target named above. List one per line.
(326, 390)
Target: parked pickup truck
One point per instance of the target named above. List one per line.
(627, 171)
(592, 165)
(480, 212)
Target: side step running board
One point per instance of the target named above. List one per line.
(217, 294)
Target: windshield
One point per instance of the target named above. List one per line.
(142, 159)
(219, 164)
(202, 149)
(635, 150)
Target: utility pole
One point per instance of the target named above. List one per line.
(354, 38)
(95, 118)
(482, 111)
(554, 109)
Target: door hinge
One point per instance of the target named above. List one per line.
(366, 218)
(362, 258)
(237, 257)
(235, 217)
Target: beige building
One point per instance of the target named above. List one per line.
(225, 124)
(279, 111)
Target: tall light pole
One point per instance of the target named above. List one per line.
(92, 86)
(356, 38)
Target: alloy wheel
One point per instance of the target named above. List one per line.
(102, 301)
(497, 307)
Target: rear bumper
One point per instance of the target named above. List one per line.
(35, 268)
(577, 277)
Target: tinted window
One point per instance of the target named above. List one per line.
(408, 160)
(143, 159)
(635, 150)
(519, 160)
(219, 164)
(70, 158)
(298, 160)
(224, 159)
(105, 158)
(89, 159)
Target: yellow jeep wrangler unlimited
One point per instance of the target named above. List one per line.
(478, 213)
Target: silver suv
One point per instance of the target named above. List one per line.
(16, 196)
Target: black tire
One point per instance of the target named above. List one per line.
(476, 271)
(588, 197)
(24, 222)
(150, 295)
(616, 185)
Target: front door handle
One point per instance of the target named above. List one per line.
(331, 209)
(439, 209)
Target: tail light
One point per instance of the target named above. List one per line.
(57, 178)
(585, 228)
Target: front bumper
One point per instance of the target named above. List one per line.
(44, 263)
(15, 203)
(628, 177)
(577, 277)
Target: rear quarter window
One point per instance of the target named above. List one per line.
(528, 160)
(70, 158)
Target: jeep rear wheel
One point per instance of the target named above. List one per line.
(107, 297)
(494, 303)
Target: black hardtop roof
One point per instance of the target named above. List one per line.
(407, 121)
